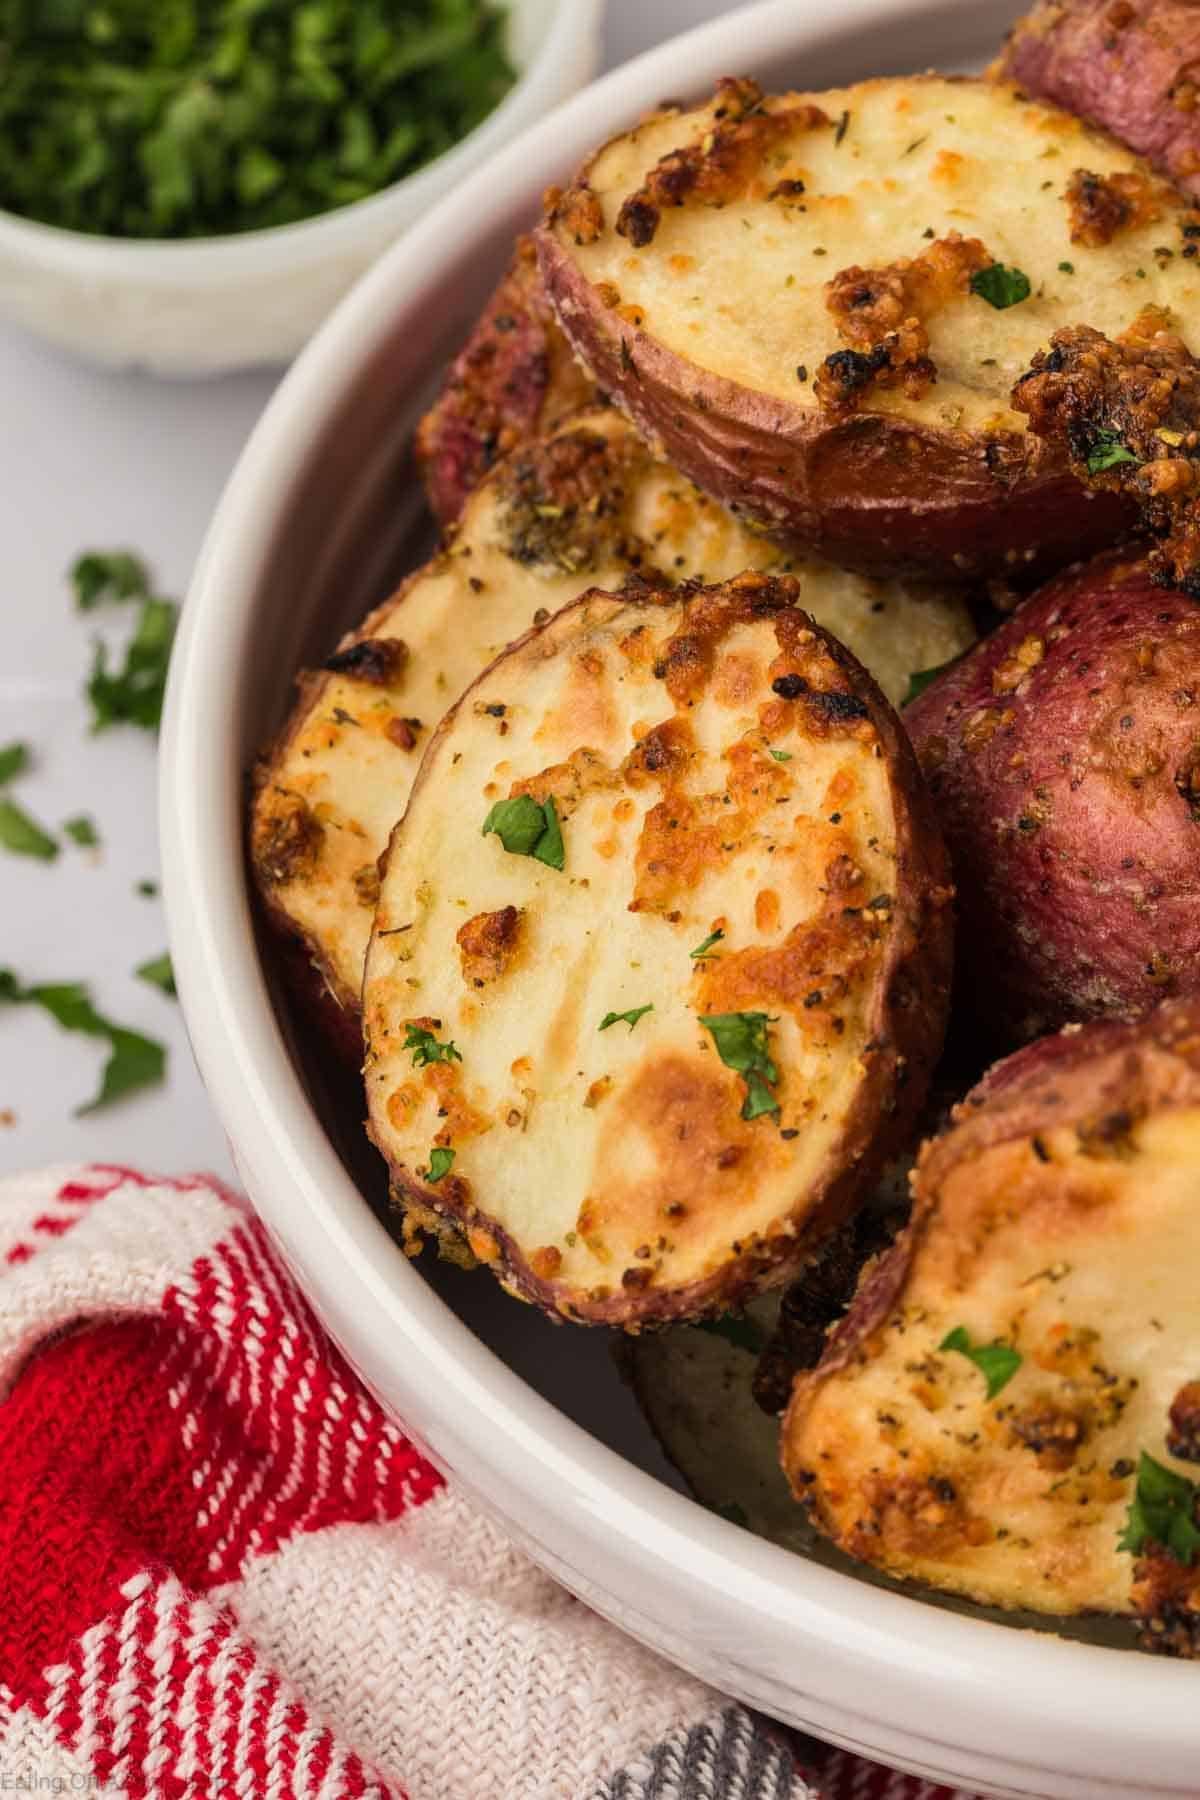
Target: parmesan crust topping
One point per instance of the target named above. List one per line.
(674, 963)
(588, 504)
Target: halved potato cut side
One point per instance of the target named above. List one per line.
(587, 505)
(978, 1419)
(661, 955)
(814, 303)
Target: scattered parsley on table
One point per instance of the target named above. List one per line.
(159, 973)
(133, 1061)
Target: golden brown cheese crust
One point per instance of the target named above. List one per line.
(1056, 1217)
(587, 504)
(1100, 206)
(728, 333)
(880, 311)
(1127, 413)
(726, 164)
(728, 781)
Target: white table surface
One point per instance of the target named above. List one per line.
(96, 460)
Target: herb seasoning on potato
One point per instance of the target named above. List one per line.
(675, 1169)
(1058, 1216)
(587, 504)
(604, 839)
(939, 277)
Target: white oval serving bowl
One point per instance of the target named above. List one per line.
(201, 306)
(307, 535)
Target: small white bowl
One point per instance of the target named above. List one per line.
(206, 305)
(542, 1434)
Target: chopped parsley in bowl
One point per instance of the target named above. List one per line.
(198, 118)
(190, 186)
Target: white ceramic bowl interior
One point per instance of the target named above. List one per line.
(208, 305)
(315, 523)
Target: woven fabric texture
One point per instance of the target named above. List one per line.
(226, 1572)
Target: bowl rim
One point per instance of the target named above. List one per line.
(241, 252)
(856, 1663)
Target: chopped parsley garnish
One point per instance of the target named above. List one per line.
(1068, 268)
(1001, 286)
(629, 1018)
(14, 760)
(997, 1362)
(133, 1062)
(147, 889)
(133, 694)
(159, 973)
(143, 119)
(426, 1049)
(1106, 451)
(780, 755)
(23, 835)
(527, 828)
(441, 1161)
(101, 575)
(82, 831)
(741, 1043)
(742, 1333)
(920, 679)
(18, 832)
(1162, 1511)
(703, 951)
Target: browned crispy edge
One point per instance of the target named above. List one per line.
(1099, 1078)
(334, 1009)
(871, 491)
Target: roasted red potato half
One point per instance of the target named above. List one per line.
(1130, 66)
(1010, 1408)
(587, 505)
(513, 379)
(820, 305)
(660, 961)
(1063, 756)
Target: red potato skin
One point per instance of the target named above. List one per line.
(1063, 757)
(512, 378)
(1129, 66)
(870, 491)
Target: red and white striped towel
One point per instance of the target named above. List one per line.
(224, 1571)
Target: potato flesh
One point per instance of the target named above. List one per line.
(618, 1158)
(340, 755)
(1085, 1265)
(739, 290)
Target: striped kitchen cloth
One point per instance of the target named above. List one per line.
(225, 1572)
